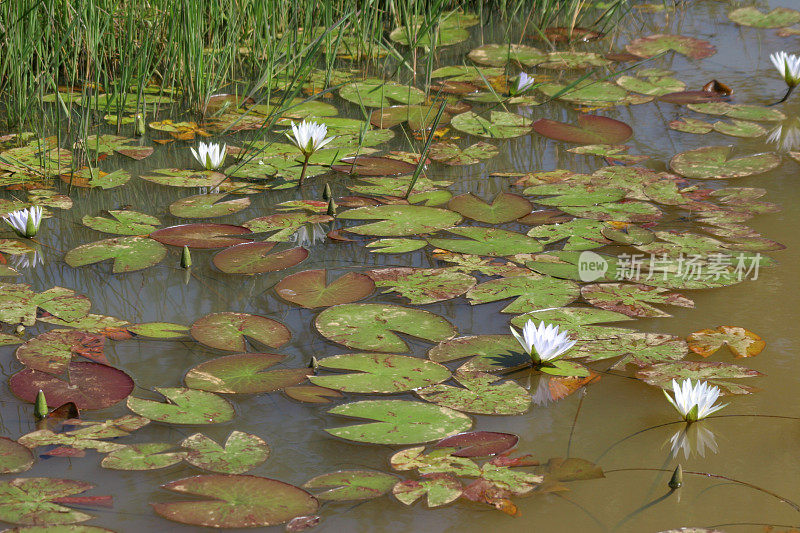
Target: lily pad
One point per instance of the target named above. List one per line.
(580, 234)
(399, 422)
(228, 331)
(755, 113)
(123, 223)
(505, 207)
(310, 288)
(202, 236)
(373, 166)
(714, 162)
(185, 406)
(590, 129)
(377, 93)
(243, 373)
(379, 373)
(715, 373)
(144, 456)
(252, 258)
(396, 246)
(439, 489)
(691, 125)
(241, 452)
(479, 443)
(531, 292)
(372, 326)
(207, 206)
(422, 285)
(451, 154)
(34, 501)
(235, 501)
(487, 241)
(20, 305)
(174, 177)
(639, 349)
(741, 342)
(480, 395)
(656, 44)
(499, 125)
(740, 128)
(654, 86)
(780, 17)
(497, 55)
(400, 220)
(418, 117)
(632, 299)
(348, 485)
(128, 253)
(14, 457)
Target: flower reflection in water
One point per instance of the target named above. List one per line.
(692, 439)
(309, 235)
(26, 261)
(786, 136)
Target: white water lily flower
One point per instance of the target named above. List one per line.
(524, 82)
(788, 65)
(25, 222)
(309, 136)
(309, 234)
(210, 155)
(694, 402)
(544, 343)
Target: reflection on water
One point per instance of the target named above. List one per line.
(692, 439)
(786, 136)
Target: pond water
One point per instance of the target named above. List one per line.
(620, 423)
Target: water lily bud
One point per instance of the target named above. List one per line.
(676, 480)
(138, 125)
(186, 257)
(327, 194)
(40, 408)
(20, 329)
(331, 208)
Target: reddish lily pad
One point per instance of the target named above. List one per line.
(372, 326)
(657, 44)
(504, 208)
(373, 166)
(227, 331)
(128, 253)
(590, 129)
(479, 443)
(379, 373)
(310, 288)
(348, 485)
(632, 299)
(185, 406)
(52, 351)
(244, 374)
(241, 452)
(202, 235)
(14, 457)
(252, 258)
(35, 501)
(312, 394)
(741, 342)
(235, 501)
(90, 386)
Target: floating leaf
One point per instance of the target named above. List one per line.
(505, 207)
(14, 457)
(640, 349)
(499, 125)
(348, 485)
(654, 86)
(145, 456)
(422, 285)
(33, 501)
(377, 93)
(497, 55)
(487, 241)
(531, 292)
(252, 258)
(740, 128)
(632, 299)
(741, 342)
(396, 246)
(440, 489)
(90, 386)
(573, 60)
(52, 351)
(381, 373)
(243, 374)
(227, 331)
(372, 326)
(311, 394)
(691, 125)
(479, 443)
(123, 223)
(207, 206)
(658, 44)
(235, 501)
(400, 220)
(713, 162)
(662, 374)
(580, 234)
(242, 452)
(450, 153)
(590, 129)
(780, 17)
(419, 117)
(20, 305)
(756, 113)
(399, 422)
(592, 93)
(500, 349)
(480, 395)
(203, 236)
(128, 253)
(310, 288)
(174, 177)
(186, 406)
(373, 166)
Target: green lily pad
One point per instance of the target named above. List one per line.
(613, 153)
(588, 92)
(498, 55)
(426, 38)
(590, 129)
(379, 373)
(573, 265)
(480, 395)
(109, 144)
(14, 457)
(243, 373)
(400, 220)
(123, 223)
(312, 394)
(581, 322)
(632, 299)
(228, 331)
(623, 211)
(94, 177)
(714, 162)
(654, 86)
(451, 154)
(715, 373)
(639, 349)
(310, 288)
(573, 60)
(235, 501)
(656, 44)
(34, 501)
(487, 241)
(499, 125)
(439, 489)
(396, 246)
(422, 285)
(395, 186)
(349, 485)
(158, 330)
(399, 422)
(531, 292)
(241, 452)
(505, 207)
(499, 348)
(372, 326)
(145, 456)
(175, 177)
(53, 350)
(128, 253)
(780, 17)
(252, 258)
(207, 206)
(691, 125)
(418, 117)
(185, 406)
(580, 234)
(757, 113)
(20, 305)
(377, 93)
(740, 128)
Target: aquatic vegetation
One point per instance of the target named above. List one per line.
(25, 222)
(788, 65)
(210, 155)
(694, 402)
(543, 343)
